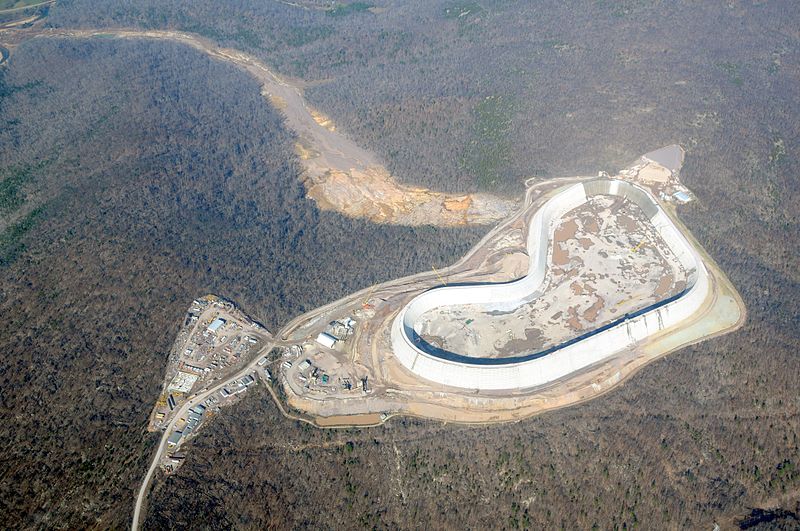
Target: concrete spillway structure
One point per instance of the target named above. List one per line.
(538, 368)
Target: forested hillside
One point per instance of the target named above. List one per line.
(463, 95)
(136, 177)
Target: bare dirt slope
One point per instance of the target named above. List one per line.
(339, 174)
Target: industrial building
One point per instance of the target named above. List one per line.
(326, 340)
(215, 325)
(195, 416)
(182, 382)
(241, 386)
(530, 369)
(174, 438)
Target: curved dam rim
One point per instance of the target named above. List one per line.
(403, 323)
(511, 360)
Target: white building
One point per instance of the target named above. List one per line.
(216, 325)
(326, 340)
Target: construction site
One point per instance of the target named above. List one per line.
(607, 260)
(214, 341)
(592, 279)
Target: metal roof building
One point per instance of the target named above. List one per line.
(175, 438)
(326, 340)
(216, 325)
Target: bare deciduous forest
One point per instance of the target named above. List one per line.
(166, 178)
(138, 175)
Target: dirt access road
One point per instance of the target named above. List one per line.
(182, 411)
(339, 175)
(26, 7)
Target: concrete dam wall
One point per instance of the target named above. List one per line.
(530, 369)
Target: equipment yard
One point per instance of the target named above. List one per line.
(215, 340)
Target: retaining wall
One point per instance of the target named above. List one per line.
(536, 368)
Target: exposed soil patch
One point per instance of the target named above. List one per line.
(576, 288)
(339, 174)
(304, 152)
(590, 225)
(664, 285)
(654, 173)
(626, 222)
(458, 204)
(560, 255)
(566, 230)
(574, 322)
(323, 120)
(375, 195)
(591, 313)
